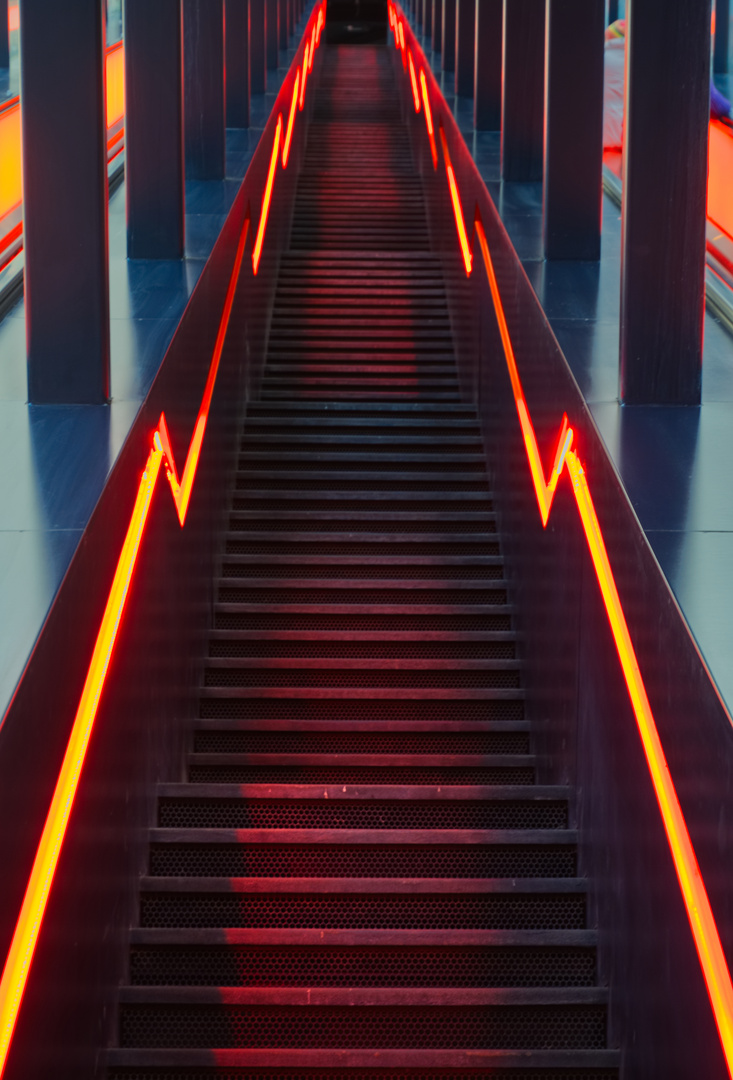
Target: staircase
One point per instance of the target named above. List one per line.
(361, 877)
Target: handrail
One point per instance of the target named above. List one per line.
(28, 926)
(697, 904)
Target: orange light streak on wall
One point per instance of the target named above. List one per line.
(428, 118)
(11, 171)
(321, 23)
(291, 121)
(402, 44)
(20, 956)
(267, 196)
(313, 49)
(115, 74)
(413, 81)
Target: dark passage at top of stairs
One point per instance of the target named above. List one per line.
(361, 877)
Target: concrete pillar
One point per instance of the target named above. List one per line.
(4, 36)
(448, 55)
(488, 65)
(154, 143)
(272, 35)
(237, 63)
(257, 46)
(437, 25)
(722, 31)
(522, 134)
(664, 202)
(204, 101)
(465, 46)
(573, 129)
(65, 201)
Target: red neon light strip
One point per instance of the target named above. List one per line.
(291, 120)
(267, 197)
(457, 208)
(313, 49)
(702, 921)
(20, 956)
(25, 937)
(181, 491)
(305, 78)
(402, 44)
(413, 81)
(428, 118)
(321, 23)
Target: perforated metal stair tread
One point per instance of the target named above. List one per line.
(360, 876)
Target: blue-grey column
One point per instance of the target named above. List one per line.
(272, 33)
(4, 35)
(257, 46)
(448, 55)
(437, 25)
(522, 123)
(282, 21)
(237, 63)
(573, 129)
(289, 14)
(664, 202)
(205, 98)
(65, 201)
(154, 173)
(465, 46)
(722, 31)
(488, 65)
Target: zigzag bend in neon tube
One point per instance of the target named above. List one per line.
(699, 912)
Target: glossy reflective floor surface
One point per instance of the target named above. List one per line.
(54, 460)
(674, 462)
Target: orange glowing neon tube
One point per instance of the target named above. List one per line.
(181, 491)
(304, 79)
(267, 197)
(457, 208)
(699, 912)
(413, 81)
(428, 118)
(20, 956)
(313, 49)
(321, 23)
(291, 120)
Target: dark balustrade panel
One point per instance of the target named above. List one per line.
(150, 698)
(585, 730)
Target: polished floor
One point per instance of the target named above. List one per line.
(55, 460)
(674, 462)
